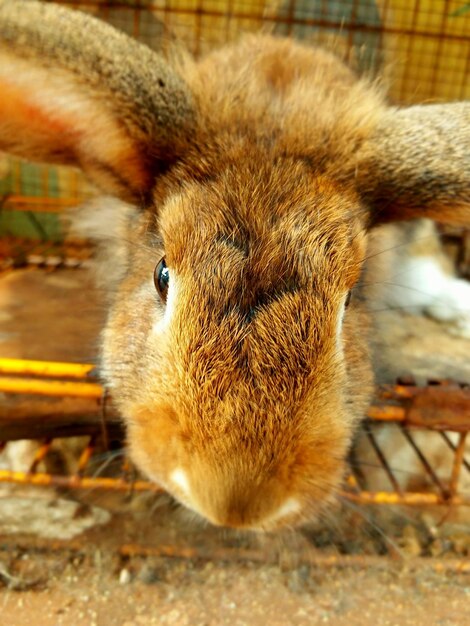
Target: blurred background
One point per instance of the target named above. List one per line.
(420, 47)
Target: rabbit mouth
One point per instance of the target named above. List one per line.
(284, 515)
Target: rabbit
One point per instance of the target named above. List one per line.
(237, 341)
(410, 270)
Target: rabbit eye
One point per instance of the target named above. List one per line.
(161, 278)
(348, 300)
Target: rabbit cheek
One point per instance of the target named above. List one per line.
(154, 442)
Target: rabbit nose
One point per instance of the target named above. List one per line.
(236, 516)
(245, 515)
(253, 511)
(234, 506)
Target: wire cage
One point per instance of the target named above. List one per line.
(441, 409)
(422, 47)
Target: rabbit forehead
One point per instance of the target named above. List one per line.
(277, 218)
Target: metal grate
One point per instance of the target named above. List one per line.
(423, 49)
(441, 409)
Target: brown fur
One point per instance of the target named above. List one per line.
(253, 387)
(104, 81)
(405, 180)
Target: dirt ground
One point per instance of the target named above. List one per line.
(365, 569)
(188, 593)
(103, 578)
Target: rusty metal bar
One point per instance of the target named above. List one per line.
(352, 482)
(85, 457)
(40, 455)
(425, 463)
(408, 498)
(309, 556)
(120, 484)
(76, 482)
(50, 417)
(457, 464)
(443, 406)
(453, 447)
(383, 461)
(386, 413)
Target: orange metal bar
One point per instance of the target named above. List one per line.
(76, 482)
(311, 557)
(85, 458)
(412, 499)
(387, 413)
(50, 387)
(119, 484)
(40, 455)
(457, 464)
(46, 369)
(40, 203)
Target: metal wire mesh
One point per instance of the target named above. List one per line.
(422, 47)
(440, 410)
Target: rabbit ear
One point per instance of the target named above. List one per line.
(76, 91)
(417, 164)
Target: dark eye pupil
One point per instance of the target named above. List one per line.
(161, 278)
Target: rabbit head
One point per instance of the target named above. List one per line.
(230, 348)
